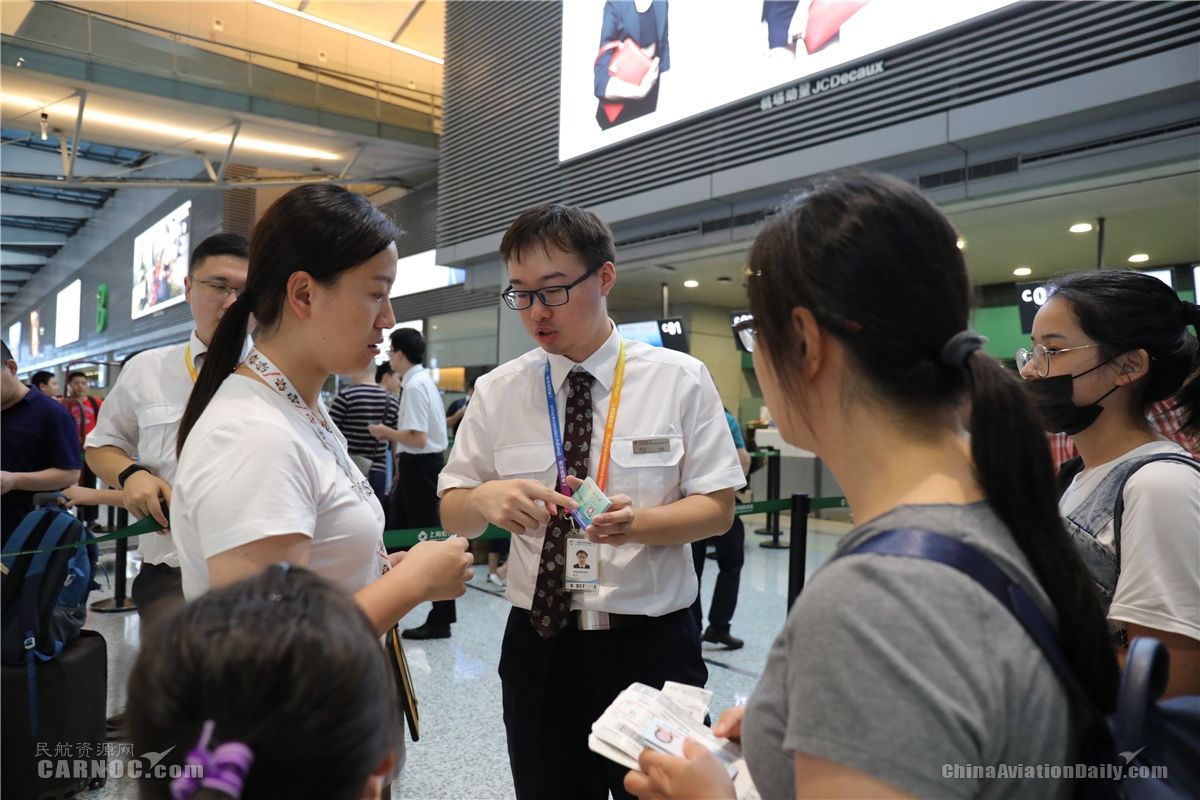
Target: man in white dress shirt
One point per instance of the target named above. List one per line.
(421, 439)
(140, 418)
(570, 649)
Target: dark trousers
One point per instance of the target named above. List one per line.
(414, 504)
(731, 554)
(377, 477)
(554, 689)
(157, 591)
(87, 479)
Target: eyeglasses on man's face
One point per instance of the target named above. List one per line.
(220, 288)
(519, 300)
(1040, 355)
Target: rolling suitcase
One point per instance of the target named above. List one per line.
(72, 696)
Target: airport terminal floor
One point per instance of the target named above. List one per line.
(462, 751)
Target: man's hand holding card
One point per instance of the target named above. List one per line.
(611, 518)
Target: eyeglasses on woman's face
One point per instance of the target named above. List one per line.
(519, 299)
(746, 334)
(1039, 357)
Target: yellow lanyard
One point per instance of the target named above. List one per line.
(610, 423)
(187, 360)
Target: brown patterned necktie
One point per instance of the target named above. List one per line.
(551, 600)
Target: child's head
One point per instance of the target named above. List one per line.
(283, 663)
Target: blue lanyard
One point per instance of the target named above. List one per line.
(560, 458)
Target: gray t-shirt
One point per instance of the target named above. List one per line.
(904, 669)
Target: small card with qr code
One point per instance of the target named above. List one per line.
(592, 502)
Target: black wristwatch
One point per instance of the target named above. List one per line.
(132, 468)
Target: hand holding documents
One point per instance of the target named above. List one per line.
(642, 717)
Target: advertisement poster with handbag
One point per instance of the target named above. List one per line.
(630, 67)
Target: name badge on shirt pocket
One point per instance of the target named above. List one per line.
(644, 446)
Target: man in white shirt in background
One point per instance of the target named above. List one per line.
(132, 446)
(671, 478)
(421, 440)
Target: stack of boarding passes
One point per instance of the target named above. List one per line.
(643, 717)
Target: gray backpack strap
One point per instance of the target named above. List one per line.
(1119, 507)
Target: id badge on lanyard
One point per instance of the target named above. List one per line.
(583, 555)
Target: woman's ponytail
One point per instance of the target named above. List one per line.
(224, 353)
(1014, 468)
(1188, 396)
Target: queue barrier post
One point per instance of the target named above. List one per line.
(118, 603)
(773, 483)
(798, 558)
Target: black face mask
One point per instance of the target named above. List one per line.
(1053, 398)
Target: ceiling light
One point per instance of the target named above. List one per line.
(344, 29)
(724, 279)
(179, 134)
(691, 284)
(45, 125)
(1138, 258)
(960, 243)
(1080, 227)
(1021, 272)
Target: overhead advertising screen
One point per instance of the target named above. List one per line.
(160, 257)
(633, 66)
(66, 315)
(666, 333)
(421, 272)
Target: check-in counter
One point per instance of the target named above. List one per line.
(800, 470)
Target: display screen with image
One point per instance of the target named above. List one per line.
(632, 66)
(160, 263)
(66, 315)
(666, 333)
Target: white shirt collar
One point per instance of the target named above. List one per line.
(199, 348)
(412, 372)
(602, 364)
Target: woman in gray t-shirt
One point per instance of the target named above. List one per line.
(897, 676)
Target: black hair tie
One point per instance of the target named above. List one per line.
(959, 347)
(246, 298)
(1191, 314)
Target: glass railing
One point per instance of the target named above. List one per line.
(156, 51)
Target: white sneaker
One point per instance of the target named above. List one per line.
(495, 579)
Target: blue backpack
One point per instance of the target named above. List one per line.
(1148, 748)
(44, 594)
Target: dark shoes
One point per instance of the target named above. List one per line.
(427, 631)
(722, 636)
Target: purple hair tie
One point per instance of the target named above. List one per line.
(222, 769)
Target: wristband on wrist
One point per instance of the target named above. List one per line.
(128, 471)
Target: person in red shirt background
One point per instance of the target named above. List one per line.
(84, 409)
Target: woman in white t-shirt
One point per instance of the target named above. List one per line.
(1107, 345)
(264, 476)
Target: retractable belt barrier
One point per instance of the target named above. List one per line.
(411, 536)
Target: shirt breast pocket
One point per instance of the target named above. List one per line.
(533, 461)
(646, 468)
(158, 428)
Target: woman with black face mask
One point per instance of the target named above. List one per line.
(1107, 345)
